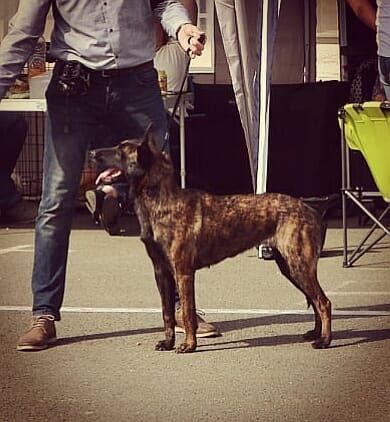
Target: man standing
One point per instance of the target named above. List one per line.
(104, 75)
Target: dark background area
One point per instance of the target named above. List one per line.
(304, 140)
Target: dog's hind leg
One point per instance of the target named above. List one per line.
(314, 334)
(166, 287)
(304, 277)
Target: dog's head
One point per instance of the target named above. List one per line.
(134, 157)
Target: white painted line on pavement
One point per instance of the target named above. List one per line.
(344, 284)
(358, 293)
(207, 311)
(20, 248)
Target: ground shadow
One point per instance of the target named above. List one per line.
(360, 336)
(109, 335)
(357, 337)
(331, 253)
(382, 307)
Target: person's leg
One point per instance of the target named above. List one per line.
(13, 208)
(71, 123)
(13, 130)
(64, 157)
(70, 126)
(384, 73)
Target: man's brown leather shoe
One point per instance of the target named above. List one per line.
(205, 329)
(41, 334)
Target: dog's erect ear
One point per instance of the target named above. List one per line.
(148, 134)
(146, 151)
(145, 155)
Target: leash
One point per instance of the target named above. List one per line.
(167, 135)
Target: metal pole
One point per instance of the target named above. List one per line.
(343, 42)
(344, 187)
(182, 142)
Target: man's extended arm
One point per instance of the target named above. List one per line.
(25, 29)
(176, 22)
(365, 11)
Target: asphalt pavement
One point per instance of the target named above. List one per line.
(104, 367)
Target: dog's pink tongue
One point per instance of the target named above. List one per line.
(108, 175)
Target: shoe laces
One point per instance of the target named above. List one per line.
(41, 321)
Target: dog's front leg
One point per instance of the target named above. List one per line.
(186, 288)
(166, 287)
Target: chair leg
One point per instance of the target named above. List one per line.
(358, 251)
(345, 230)
(372, 216)
(355, 255)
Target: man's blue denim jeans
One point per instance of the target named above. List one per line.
(384, 73)
(120, 107)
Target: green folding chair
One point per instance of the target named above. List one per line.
(365, 128)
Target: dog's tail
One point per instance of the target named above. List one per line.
(322, 204)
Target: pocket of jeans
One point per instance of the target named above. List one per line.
(146, 77)
(53, 89)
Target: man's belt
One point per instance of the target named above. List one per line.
(114, 73)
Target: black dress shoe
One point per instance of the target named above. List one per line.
(94, 201)
(111, 212)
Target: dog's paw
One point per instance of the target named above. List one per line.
(185, 348)
(164, 345)
(321, 343)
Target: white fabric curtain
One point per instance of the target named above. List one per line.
(248, 35)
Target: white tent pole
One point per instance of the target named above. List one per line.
(238, 30)
(248, 31)
(267, 43)
(261, 182)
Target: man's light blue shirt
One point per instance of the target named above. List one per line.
(101, 34)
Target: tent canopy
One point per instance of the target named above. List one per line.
(249, 32)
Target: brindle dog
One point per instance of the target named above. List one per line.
(184, 230)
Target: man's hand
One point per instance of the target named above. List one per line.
(192, 39)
